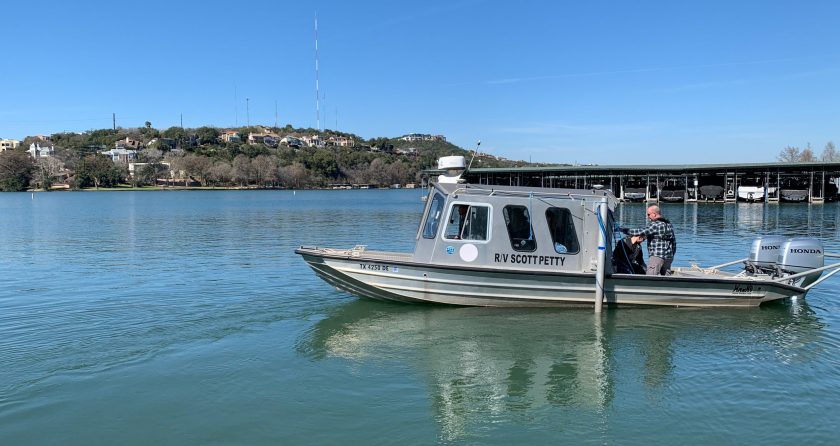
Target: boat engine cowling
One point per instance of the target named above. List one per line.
(764, 252)
(798, 255)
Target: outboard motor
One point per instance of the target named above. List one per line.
(763, 254)
(799, 255)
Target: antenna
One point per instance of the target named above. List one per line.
(317, 87)
(474, 152)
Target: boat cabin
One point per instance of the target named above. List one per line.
(513, 228)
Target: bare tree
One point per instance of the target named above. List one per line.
(151, 154)
(396, 173)
(789, 155)
(807, 154)
(46, 170)
(829, 153)
(221, 173)
(294, 176)
(198, 166)
(242, 169)
(376, 171)
(265, 169)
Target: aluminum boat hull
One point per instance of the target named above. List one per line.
(396, 277)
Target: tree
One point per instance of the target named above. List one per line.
(294, 175)
(148, 125)
(46, 170)
(807, 154)
(323, 162)
(197, 166)
(220, 173)
(148, 174)
(789, 155)
(96, 171)
(829, 153)
(152, 154)
(265, 169)
(176, 133)
(242, 171)
(396, 173)
(207, 135)
(376, 172)
(15, 171)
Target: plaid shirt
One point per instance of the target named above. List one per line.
(661, 241)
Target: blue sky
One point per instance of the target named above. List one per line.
(630, 82)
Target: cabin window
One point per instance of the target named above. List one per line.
(433, 217)
(561, 226)
(467, 222)
(518, 222)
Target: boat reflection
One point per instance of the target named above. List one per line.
(481, 362)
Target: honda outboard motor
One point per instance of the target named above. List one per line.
(799, 255)
(763, 254)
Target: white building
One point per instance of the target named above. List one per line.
(8, 144)
(41, 149)
(121, 155)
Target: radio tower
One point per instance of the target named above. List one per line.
(317, 87)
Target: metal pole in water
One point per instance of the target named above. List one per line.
(602, 255)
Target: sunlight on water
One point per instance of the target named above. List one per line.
(185, 317)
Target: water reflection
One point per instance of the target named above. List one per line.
(482, 363)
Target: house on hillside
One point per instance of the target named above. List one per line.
(8, 144)
(422, 137)
(121, 155)
(164, 143)
(409, 151)
(268, 138)
(230, 136)
(292, 141)
(340, 141)
(128, 143)
(41, 149)
(313, 141)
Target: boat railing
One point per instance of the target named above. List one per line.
(724, 265)
(834, 267)
(530, 193)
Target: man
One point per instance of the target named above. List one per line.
(627, 256)
(661, 241)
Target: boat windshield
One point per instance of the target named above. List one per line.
(433, 217)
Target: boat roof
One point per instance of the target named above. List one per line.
(485, 190)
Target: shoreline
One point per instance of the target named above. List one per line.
(205, 188)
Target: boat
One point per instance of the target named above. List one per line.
(513, 246)
(672, 195)
(751, 193)
(711, 192)
(635, 194)
(794, 195)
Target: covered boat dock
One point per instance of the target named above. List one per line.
(812, 182)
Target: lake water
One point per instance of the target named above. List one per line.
(186, 318)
